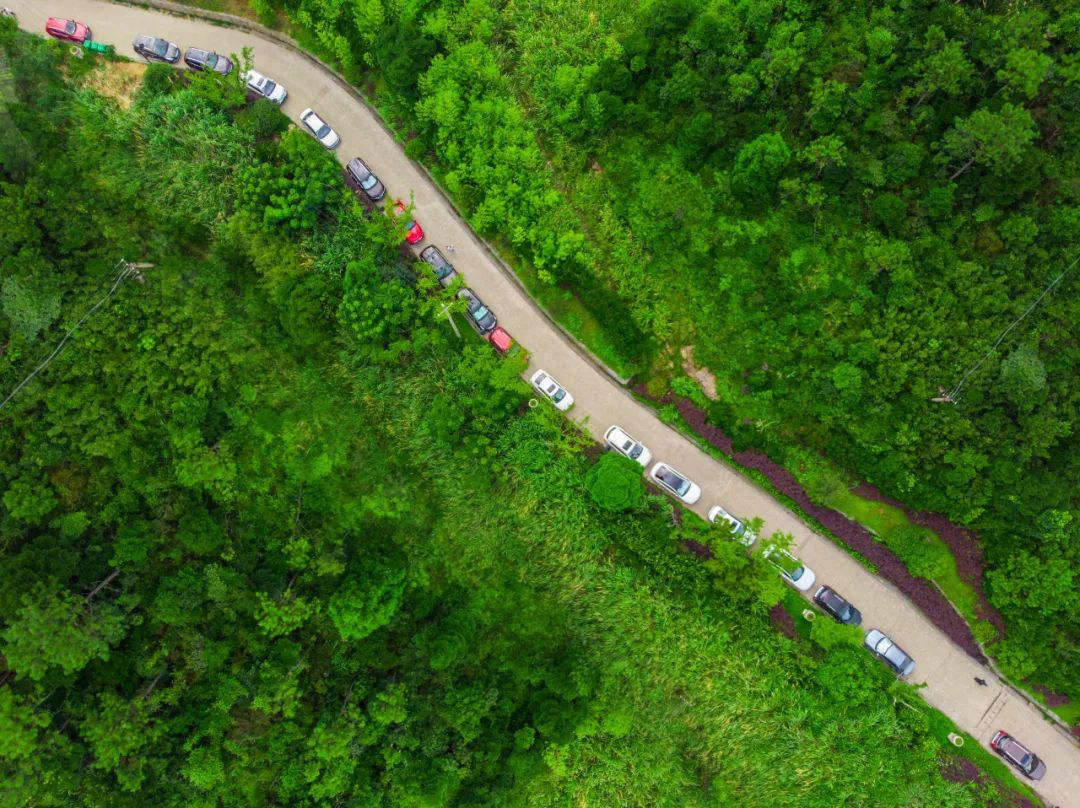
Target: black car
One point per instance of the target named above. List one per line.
(367, 181)
(200, 59)
(480, 316)
(157, 50)
(444, 270)
(829, 600)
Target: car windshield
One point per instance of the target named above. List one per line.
(268, 86)
(635, 451)
(159, 46)
(211, 59)
(560, 394)
(322, 131)
(674, 480)
(70, 27)
(480, 313)
(368, 182)
(797, 573)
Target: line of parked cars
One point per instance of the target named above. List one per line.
(363, 180)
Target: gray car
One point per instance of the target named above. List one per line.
(200, 59)
(444, 270)
(367, 181)
(158, 50)
(895, 656)
(1018, 755)
(480, 316)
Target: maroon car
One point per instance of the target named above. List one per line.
(69, 30)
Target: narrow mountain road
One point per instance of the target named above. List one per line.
(945, 669)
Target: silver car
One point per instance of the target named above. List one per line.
(443, 269)
(320, 128)
(265, 87)
(365, 179)
(895, 656)
(153, 48)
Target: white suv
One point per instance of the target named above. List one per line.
(625, 445)
(739, 531)
(676, 483)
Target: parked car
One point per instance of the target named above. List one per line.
(68, 30)
(548, 387)
(500, 340)
(665, 476)
(360, 174)
(155, 49)
(739, 531)
(895, 656)
(791, 569)
(830, 601)
(199, 59)
(626, 445)
(1018, 755)
(480, 316)
(414, 233)
(267, 88)
(444, 270)
(320, 128)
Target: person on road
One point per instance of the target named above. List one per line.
(980, 682)
(450, 248)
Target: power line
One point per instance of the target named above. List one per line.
(952, 396)
(126, 270)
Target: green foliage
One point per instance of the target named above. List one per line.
(30, 311)
(56, 628)
(1023, 378)
(614, 482)
(211, 492)
(294, 189)
(758, 166)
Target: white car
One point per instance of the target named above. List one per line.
(791, 569)
(267, 88)
(739, 531)
(320, 128)
(624, 444)
(665, 476)
(550, 388)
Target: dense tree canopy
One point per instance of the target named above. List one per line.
(263, 543)
(839, 207)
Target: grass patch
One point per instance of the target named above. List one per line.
(987, 761)
(1069, 713)
(922, 551)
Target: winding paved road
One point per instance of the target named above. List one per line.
(945, 669)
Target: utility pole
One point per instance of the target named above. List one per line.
(127, 269)
(450, 317)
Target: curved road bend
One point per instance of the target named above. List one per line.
(947, 671)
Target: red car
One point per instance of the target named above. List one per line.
(413, 232)
(500, 340)
(71, 30)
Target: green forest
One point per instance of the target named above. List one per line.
(838, 207)
(272, 534)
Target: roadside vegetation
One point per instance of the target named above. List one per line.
(272, 534)
(838, 208)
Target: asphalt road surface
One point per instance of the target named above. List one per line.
(945, 669)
